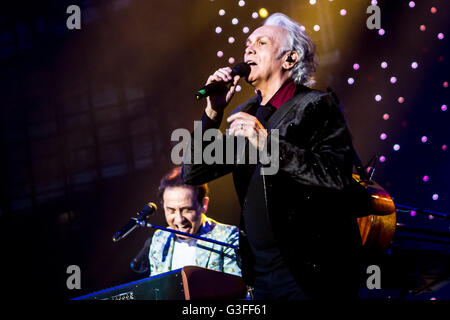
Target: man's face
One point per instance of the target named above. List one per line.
(182, 210)
(261, 50)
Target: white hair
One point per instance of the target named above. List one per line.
(303, 70)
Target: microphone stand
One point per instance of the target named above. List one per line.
(150, 225)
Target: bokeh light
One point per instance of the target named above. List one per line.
(263, 13)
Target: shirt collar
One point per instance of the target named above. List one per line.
(286, 91)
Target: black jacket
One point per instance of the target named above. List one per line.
(309, 209)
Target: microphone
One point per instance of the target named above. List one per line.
(134, 222)
(241, 69)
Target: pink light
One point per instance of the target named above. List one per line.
(444, 147)
(431, 217)
(433, 10)
(424, 139)
(374, 2)
(444, 107)
(377, 98)
(384, 64)
(381, 32)
(423, 27)
(440, 36)
(351, 81)
(383, 136)
(401, 99)
(396, 147)
(414, 65)
(382, 159)
(411, 4)
(343, 12)
(220, 54)
(386, 116)
(435, 196)
(413, 213)
(238, 88)
(231, 60)
(425, 178)
(445, 84)
(356, 66)
(393, 79)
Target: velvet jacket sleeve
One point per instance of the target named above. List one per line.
(315, 146)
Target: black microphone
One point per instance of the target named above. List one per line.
(241, 69)
(134, 222)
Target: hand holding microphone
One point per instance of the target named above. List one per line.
(218, 92)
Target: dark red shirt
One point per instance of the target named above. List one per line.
(283, 94)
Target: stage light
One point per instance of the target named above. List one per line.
(414, 65)
(393, 79)
(230, 40)
(425, 178)
(383, 136)
(312, 2)
(220, 54)
(350, 80)
(401, 99)
(263, 13)
(435, 196)
(231, 60)
(396, 147)
(440, 36)
(241, 3)
(424, 139)
(423, 27)
(245, 30)
(445, 84)
(316, 27)
(386, 116)
(412, 213)
(384, 64)
(255, 15)
(235, 21)
(444, 147)
(221, 12)
(431, 217)
(412, 4)
(381, 32)
(433, 10)
(302, 28)
(377, 98)
(343, 12)
(218, 30)
(374, 2)
(356, 66)
(444, 107)
(382, 158)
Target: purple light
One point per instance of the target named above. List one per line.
(351, 81)
(383, 136)
(414, 65)
(435, 196)
(411, 4)
(374, 2)
(425, 178)
(444, 107)
(245, 30)
(384, 64)
(440, 36)
(255, 15)
(382, 158)
(431, 217)
(386, 116)
(413, 213)
(381, 32)
(424, 139)
(356, 66)
(393, 79)
(396, 147)
(377, 98)
(444, 147)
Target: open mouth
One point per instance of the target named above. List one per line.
(251, 63)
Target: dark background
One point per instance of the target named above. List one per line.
(86, 118)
